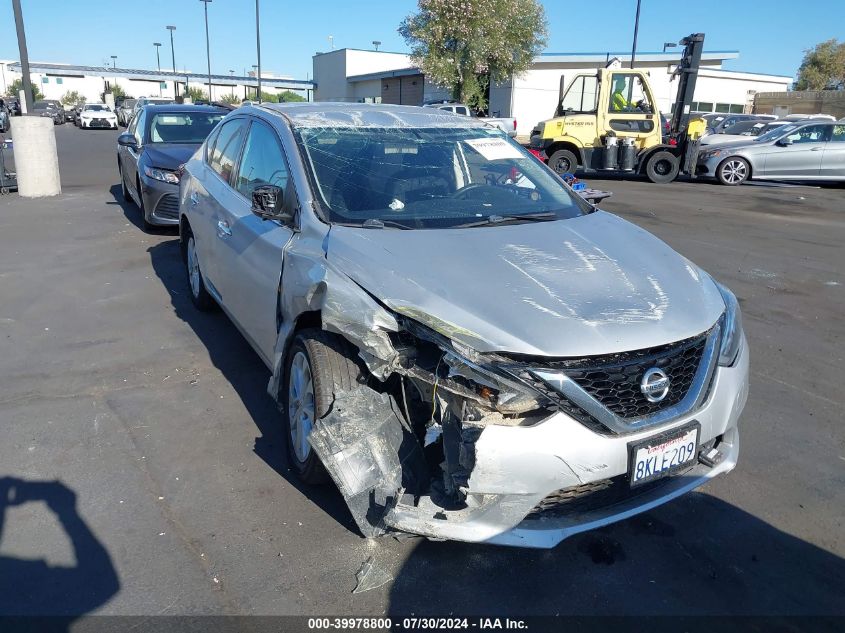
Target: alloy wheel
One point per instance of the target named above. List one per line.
(300, 405)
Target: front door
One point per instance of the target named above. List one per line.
(250, 256)
(802, 158)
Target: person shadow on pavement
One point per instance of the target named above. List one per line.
(33, 587)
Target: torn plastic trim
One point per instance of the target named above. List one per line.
(370, 453)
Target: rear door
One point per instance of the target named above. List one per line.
(801, 159)
(211, 198)
(833, 156)
(250, 256)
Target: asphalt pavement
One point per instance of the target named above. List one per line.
(143, 471)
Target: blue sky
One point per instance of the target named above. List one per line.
(770, 35)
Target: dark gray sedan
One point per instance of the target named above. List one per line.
(160, 139)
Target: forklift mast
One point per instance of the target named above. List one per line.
(687, 72)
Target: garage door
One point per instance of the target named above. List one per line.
(403, 90)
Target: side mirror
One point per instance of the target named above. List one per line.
(126, 140)
(785, 141)
(268, 203)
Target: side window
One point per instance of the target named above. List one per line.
(838, 134)
(461, 110)
(225, 151)
(582, 95)
(628, 94)
(138, 130)
(263, 162)
(209, 144)
(811, 134)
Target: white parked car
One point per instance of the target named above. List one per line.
(97, 115)
(506, 124)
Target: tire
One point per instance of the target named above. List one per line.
(733, 171)
(202, 301)
(662, 167)
(148, 227)
(329, 362)
(563, 161)
(123, 188)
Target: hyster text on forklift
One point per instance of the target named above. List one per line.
(608, 122)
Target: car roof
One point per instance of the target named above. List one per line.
(323, 114)
(183, 107)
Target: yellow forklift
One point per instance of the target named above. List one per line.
(608, 122)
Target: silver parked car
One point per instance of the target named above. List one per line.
(464, 346)
(806, 150)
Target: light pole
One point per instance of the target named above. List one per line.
(207, 47)
(258, 48)
(173, 57)
(331, 41)
(27, 83)
(255, 72)
(668, 45)
(232, 74)
(158, 62)
(113, 62)
(636, 28)
(376, 43)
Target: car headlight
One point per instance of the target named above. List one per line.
(731, 328)
(161, 174)
(711, 154)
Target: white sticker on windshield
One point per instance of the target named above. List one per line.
(493, 148)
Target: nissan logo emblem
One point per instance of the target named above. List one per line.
(655, 384)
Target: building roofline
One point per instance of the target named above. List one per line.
(386, 74)
(746, 72)
(129, 73)
(361, 50)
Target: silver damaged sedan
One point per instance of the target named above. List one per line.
(463, 345)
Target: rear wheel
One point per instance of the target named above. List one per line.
(199, 295)
(662, 167)
(563, 161)
(319, 365)
(733, 171)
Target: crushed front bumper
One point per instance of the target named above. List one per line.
(517, 467)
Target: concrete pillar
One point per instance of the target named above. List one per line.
(36, 160)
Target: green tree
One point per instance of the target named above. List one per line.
(118, 91)
(196, 94)
(14, 88)
(289, 96)
(230, 99)
(72, 97)
(823, 67)
(269, 97)
(466, 44)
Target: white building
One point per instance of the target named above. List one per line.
(54, 80)
(381, 77)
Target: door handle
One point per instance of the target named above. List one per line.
(815, 149)
(195, 199)
(223, 229)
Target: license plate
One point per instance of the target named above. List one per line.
(661, 455)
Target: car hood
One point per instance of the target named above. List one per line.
(724, 139)
(737, 146)
(169, 155)
(595, 284)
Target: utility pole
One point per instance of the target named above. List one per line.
(207, 47)
(113, 62)
(258, 48)
(173, 56)
(158, 62)
(636, 28)
(27, 83)
(232, 74)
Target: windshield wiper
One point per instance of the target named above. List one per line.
(493, 220)
(376, 223)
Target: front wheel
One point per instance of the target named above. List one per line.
(318, 367)
(563, 161)
(662, 167)
(733, 171)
